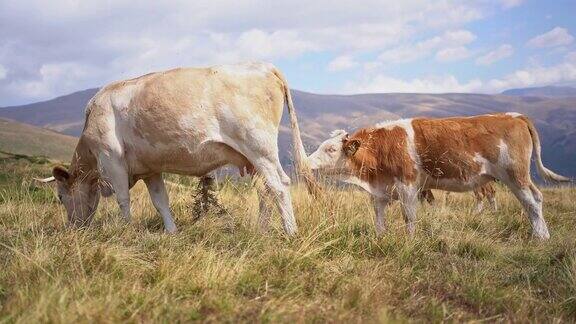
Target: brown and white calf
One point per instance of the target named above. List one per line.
(188, 121)
(485, 192)
(397, 159)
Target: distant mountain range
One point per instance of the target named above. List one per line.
(64, 114)
(549, 91)
(553, 110)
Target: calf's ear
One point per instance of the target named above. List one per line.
(350, 147)
(60, 173)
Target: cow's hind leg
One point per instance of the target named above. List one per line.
(159, 196)
(264, 210)
(267, 168)
(113, 171)
(283, 176)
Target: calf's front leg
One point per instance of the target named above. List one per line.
(380, 204)
(408, 195)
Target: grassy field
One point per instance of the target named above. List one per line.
(459, 266)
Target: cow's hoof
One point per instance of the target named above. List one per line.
(171, 230)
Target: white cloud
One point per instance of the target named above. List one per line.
(556, 37)
(341, 63)
(452, 54)
(259, 44)
(3, 72)
(500, 53)
(450, 45)
(507, 4)
(534, 76)
(144, 36)
(54, 76)
(401, 54)
(433, 84)
(121, 39)
(562, 72)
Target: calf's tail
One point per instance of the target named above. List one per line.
(544, 172)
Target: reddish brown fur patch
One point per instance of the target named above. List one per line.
(484, 192)
(382, 156)
(447, 147)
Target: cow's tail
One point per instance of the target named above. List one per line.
(302, 166)
(544, 172)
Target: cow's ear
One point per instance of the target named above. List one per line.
(350, 147)
(60, 173)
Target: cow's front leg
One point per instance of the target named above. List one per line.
(157, 191)
(114, 172)
(408, 194)
(380, 204)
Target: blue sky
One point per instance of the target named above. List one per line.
(322, 46)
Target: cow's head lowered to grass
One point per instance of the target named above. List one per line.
(79, 194)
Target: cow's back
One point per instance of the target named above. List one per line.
(453, 148)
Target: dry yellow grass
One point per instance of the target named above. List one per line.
(459, 266)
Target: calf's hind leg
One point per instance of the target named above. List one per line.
(531, 199)
(479, 201)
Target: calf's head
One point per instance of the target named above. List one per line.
(333, 156)
(79, 194)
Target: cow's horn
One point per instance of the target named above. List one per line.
(45, 180)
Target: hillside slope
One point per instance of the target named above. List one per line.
(25, 139)
(555, 117)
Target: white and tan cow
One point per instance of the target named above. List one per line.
(188, 121)
(397, 159)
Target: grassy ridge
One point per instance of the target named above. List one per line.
(459, 266)
(26, 139)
